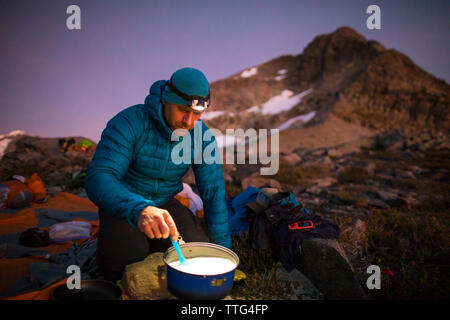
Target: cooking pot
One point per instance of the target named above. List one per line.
(186, 285)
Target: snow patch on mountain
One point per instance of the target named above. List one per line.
(249, 73)
(304, 117)
(254, 109)
(212, 114)
(283, 102)
(5, 139)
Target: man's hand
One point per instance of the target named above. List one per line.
(157, 223)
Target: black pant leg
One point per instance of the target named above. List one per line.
(119, 244)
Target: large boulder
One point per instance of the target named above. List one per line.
(25, 155)
(324, 262)
(300, 284)
(146, 280)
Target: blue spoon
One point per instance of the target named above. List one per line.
(178, 250)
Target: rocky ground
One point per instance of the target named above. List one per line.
(388, 193)
(390, 197)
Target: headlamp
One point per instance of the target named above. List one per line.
(198, 103)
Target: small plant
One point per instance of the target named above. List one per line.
(260, 268)
(344, 197)
(353, 175)
(408, 243)
(299, 175)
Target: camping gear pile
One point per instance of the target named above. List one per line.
(18, 191)
(42, 236)
(67, 145)
(32, 259)
(277, 221)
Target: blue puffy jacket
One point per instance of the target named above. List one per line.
(132, 168)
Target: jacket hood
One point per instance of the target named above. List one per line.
(154, 105)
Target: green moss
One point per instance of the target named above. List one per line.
(353, 175)
(260, 268)
(298, 175)
(407, 244)
(344, 197)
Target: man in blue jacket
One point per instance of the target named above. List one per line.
(133, 179)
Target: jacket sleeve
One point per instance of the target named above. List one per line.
(109, 164)
(211, 186)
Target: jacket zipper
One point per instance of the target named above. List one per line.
(166, 160)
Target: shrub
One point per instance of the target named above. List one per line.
(409, 244)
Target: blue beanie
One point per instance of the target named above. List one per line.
(190, 81)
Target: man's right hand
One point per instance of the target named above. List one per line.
(157, 223)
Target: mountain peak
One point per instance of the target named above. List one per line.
(356, 79)
(348, 32)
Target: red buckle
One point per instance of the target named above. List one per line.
(301, 225)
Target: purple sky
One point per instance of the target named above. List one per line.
(56, 82)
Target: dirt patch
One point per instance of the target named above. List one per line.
(332, 132)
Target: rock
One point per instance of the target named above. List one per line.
(416, 170)
(82, 193)
(325, 194)
(387, 172)
(324, 262)
(82, 159)
(227, 178)
(258, 181)
(399, 145)
(314, 190)
(338, 211)
(297, 190)
(376, 203)
(334, 153)
(386, 195)
(355, 245)
(56, 162)
(399, 203)
(146, 280)
(320, 152)
(404, 174)
(343, 166)
(56, 178)
(300, 284)
(386, 142)
(325, 182)
(27, 154)
(337, 169)
(291, 159)
(54, 190)
(319, 202)
(369, 167)
(324, 162)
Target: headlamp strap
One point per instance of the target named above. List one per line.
(185, 96)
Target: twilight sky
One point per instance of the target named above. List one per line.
(56, 82)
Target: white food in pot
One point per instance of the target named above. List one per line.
(204, 266)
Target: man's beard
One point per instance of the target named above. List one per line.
(181, 125)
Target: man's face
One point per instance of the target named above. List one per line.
(180, 117)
